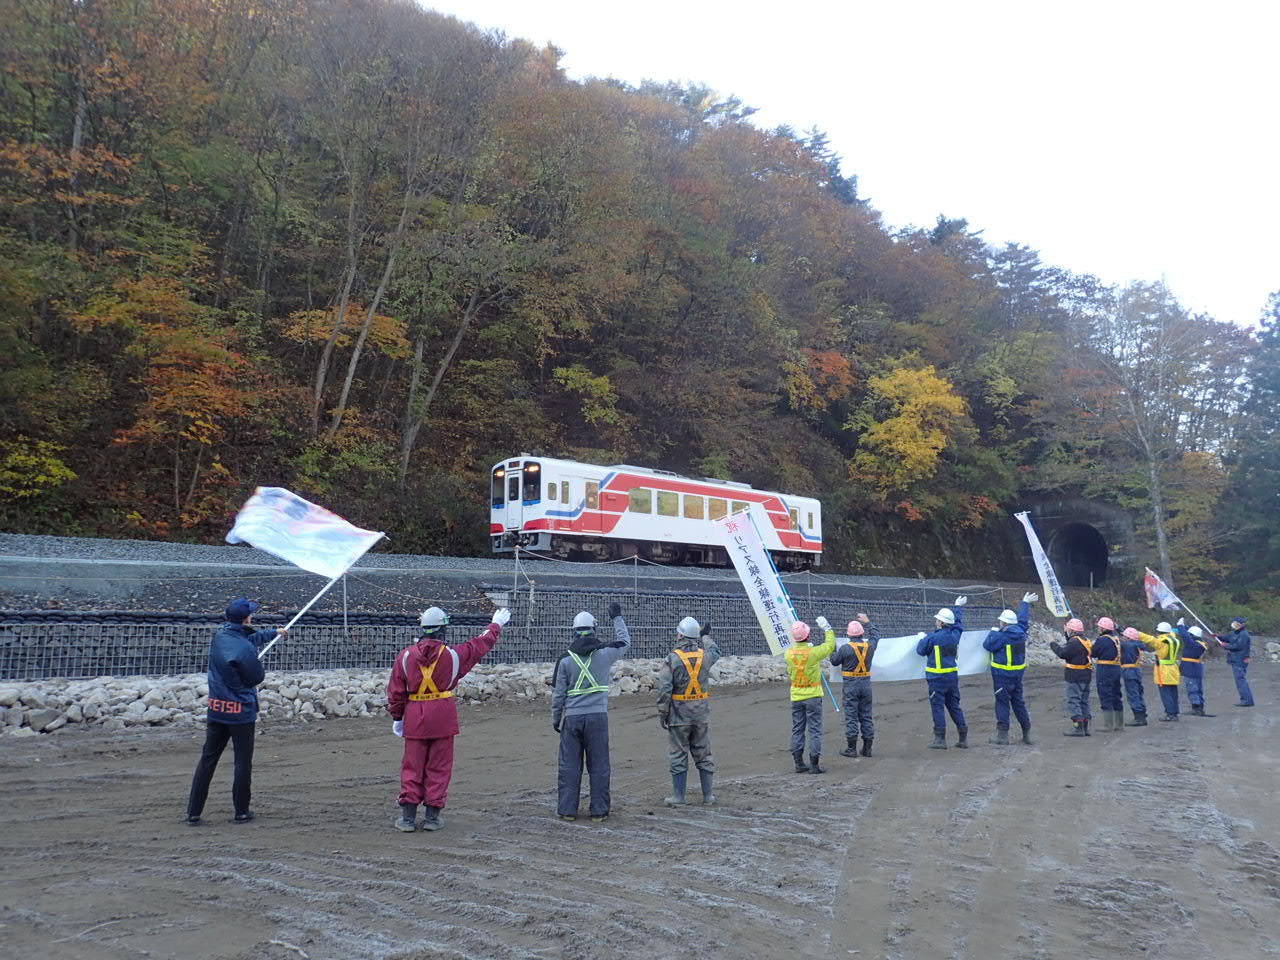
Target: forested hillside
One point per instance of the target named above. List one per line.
(362, 250)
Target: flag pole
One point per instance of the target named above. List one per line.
(1181, 602)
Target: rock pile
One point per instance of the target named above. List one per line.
(1273, 651)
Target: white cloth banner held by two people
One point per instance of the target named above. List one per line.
(308, 536)
(769, 599)
(1054, 597)
(896, 657)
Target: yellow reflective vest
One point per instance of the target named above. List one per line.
(804, 662)
(1167, 647)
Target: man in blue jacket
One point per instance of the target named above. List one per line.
(942, 673)
(1237, 645)
(1193, 650)
(1007, 644)
(234, 672)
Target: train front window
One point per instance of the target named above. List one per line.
(532, 482)
(495, 492)
(717, 508)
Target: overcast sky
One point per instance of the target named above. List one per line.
(1128, 139)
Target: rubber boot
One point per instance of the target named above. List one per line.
(1026, 736)
(678, 782)
(939, 740)
(866, 747)
(800, 764)
(852, 749)
(406, 823)
(1106, 721)
(1197, 710)
(1085, 724)
(1117, 719)
(708, 797)
(1001, 739)
(814, 766)
(1169, 718)
(1077, 729)
(431, 818)
(963, 742)
(1139, 720)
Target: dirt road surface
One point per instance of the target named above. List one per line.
(1161, 842)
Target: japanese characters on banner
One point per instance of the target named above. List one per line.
(307, 535)
(1054, 597)
(755, 567)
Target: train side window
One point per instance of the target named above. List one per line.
(564, 490)
(717, 508)
(551, 491)
(593, 495)
(668, 504)
(739, 506)
(795, 518)
(693, 507)
(810, 519)
(640, 501)
(495, 494)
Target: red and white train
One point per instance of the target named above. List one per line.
(581, 511)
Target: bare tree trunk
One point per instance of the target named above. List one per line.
(1157, 516)
(77, 142)
(409, 420)
(322, 368)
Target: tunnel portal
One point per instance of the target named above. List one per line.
(1079, 555)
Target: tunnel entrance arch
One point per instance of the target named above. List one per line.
(1079, 554)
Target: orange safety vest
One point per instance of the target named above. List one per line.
(427, 690)
(860, 669)
(1116, 661)
(693, 664)
(1088, 649)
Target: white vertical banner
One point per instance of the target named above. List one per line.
(769, 599)
(1054, 597)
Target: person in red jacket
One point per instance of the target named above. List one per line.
(420, 700)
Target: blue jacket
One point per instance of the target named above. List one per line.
(234, 671)
(1193, 648)
(1011, 643)
(1237, 643)
(1131, 652)
(947, 643)
(1107, 646)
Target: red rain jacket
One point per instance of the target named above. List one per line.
(425, 670)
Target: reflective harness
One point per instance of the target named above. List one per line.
(1008, 663)
(587, 683)
(1088, 649)
(800, 681)
(861, 668)
(1137, 661)
(1111, 663)
(937, 662)
(427, 689)
(693, 664)
(1199, 659)
(1173, 647)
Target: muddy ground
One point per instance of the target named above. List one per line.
(1161, 842)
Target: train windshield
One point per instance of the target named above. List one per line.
(532, 482)
(496, 494)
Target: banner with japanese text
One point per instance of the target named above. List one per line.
(305, 534)
(1054, 596)
(759, 577)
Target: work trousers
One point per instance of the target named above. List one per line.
(857, 708)
(1238, 670)
(806, 714)
(1133, 690)
(1008, 689)
(944, 693)
(690, 739)
(1169, 698)
(1195, 690)
(216, 735)
(1078, 699)
(584, 736)
(1109, 694)
(425, 771)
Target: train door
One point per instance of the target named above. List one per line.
(515, 506)
(591, 519)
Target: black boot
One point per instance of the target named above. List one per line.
(407, 822)
(708, 797)
(1001, 739)
(1139, 720)
(939, 739)
(1026, 736)
(1085, 724)
(801, 767)
(1077, 729)
(431, 818)
(866, 747)
(814, 766)
(963, 742)
(852, 749)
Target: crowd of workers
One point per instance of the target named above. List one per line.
(424, 675)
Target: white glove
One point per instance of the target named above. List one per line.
(501, 617)
(1030, 597)
(960, 601)
(824, 623)
(1182, 622)
(398, 728)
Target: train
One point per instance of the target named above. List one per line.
(569, 510)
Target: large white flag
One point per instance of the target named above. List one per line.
(769, 599)
(896, 657)
(308, 536)
(1054, 597)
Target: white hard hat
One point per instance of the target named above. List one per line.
(433, 617)
(1164, 627)
(1196, 632)
(584, 621)
(689, 627)
(945, 615)
(1007, 616)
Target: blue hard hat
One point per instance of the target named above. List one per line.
(240, 609)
